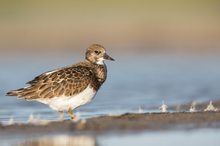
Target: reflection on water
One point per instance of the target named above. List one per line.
(202, 137)
(60, 140)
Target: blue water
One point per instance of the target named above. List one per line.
(203, 137)
(133, 81)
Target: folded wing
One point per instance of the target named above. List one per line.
(63, 82)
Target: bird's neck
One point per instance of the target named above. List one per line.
(101, 72)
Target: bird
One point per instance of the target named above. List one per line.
(67, 88)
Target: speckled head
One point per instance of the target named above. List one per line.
(96, 54)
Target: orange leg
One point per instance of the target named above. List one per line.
(70, 112)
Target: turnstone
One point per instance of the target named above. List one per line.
(67, 88)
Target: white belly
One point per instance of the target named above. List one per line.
(65, 103)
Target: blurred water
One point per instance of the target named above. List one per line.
(133, 81)
(203, 137)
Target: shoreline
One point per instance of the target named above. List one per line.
(126, 122)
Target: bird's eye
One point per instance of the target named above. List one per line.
(97, 52)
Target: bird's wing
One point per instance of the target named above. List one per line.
(64, 82)
(37, 78)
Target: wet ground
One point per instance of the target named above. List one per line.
(129, 122)
(200, 128)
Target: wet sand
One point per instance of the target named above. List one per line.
(126, 122)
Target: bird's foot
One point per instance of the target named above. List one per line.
(72, 116)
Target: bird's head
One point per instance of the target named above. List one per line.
(96, 54)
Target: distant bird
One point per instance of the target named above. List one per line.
(67, 88)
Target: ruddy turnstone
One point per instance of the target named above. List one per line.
(67, 88)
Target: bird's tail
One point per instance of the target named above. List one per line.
(15, 92)
(27, 93)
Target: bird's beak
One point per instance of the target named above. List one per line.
(107, 57)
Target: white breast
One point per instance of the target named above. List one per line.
(63, 103)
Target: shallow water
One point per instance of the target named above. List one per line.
(180, 138)
(202, 137)
(133, 82)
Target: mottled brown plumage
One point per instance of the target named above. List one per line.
(68, 81)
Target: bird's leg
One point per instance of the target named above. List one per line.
(61, 115)
(70, 112)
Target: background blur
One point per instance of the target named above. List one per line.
(50, 26)
(164, 50)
